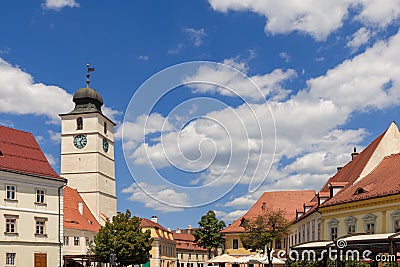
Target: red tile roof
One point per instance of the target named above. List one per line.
(384, 180)
(288, 201)
(148, 223)
(352, 170)
(21, 153)
(347, 175)
(73, 219)
(186, 242)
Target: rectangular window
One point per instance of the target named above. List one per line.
(190, 256)
(105, 127)
(40, 195)
(351, 229)
(319, 231)
(313, 230)
(334, 233)
(10, 259)
(235, 243)
(308, 231)
(66, 241)
(396, 225)
(370, 228)
(278, 244)
(39, 227)
(76, 240)
(87, 241)
(11, 192)
(11, 225)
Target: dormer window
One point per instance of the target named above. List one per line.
(263, 206)
(360, 191)
(79, 123)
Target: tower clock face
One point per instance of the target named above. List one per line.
(80, 141)
(105, 145)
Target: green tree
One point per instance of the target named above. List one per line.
(123, 237)
(262, 231)
(208, 236)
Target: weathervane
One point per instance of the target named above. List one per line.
(89, 69)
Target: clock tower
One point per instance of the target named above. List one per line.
(87, 153)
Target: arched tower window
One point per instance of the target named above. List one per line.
(105, 127)
(79, 123)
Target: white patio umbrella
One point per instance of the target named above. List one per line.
(224, 258)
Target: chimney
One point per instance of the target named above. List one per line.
(154, 219)
(354, 154)
(339, 168)
(178, 230)
(80, 208)
(189, 228)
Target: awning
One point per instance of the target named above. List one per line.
(224, 258)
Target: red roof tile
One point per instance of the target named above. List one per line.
(21, 153)
(185, 241)
(148, 223)
(287, 201)
(382, 181)
(352, 170)
(73, 219)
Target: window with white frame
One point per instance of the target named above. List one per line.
(11, 225)
(11, 192)
(40, 227)
(10, 259)
(40, 193)
(369, 223)
(319, 229)
(87, 241)
(333, 227)
(396, 221)
(351, 225)
(308, 231)
(76, 240)
(66, 240)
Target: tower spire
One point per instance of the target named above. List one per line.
(89, 69)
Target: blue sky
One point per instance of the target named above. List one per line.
(327, 76)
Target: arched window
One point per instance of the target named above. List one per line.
(105, 127)
(79, 123)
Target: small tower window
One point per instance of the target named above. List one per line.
(105, 127)
(79, 123)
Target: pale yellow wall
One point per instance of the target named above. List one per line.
(382, 208)
(163, 258)
(26, 243)
(241, 251)
(71, 249)
(25, 253)
(298, 226)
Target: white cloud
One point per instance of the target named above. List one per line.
(241, 202)
(59, 4)
(370, 80)
(175, 50)
(359, 38)
(196, 35)
(144, 58)
(285, 56)
(51, 159)
(310, 140)
(155, 197)
(314, 17)
(229, 217)
(55, 136)
(236, 84)
(19, 94)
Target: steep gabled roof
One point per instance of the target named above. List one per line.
(73, 219)
(384, 180)
(19, 152)
(288, 201)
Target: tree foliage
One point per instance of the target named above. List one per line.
(263, 230)
(208, 236)
(124, 237)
